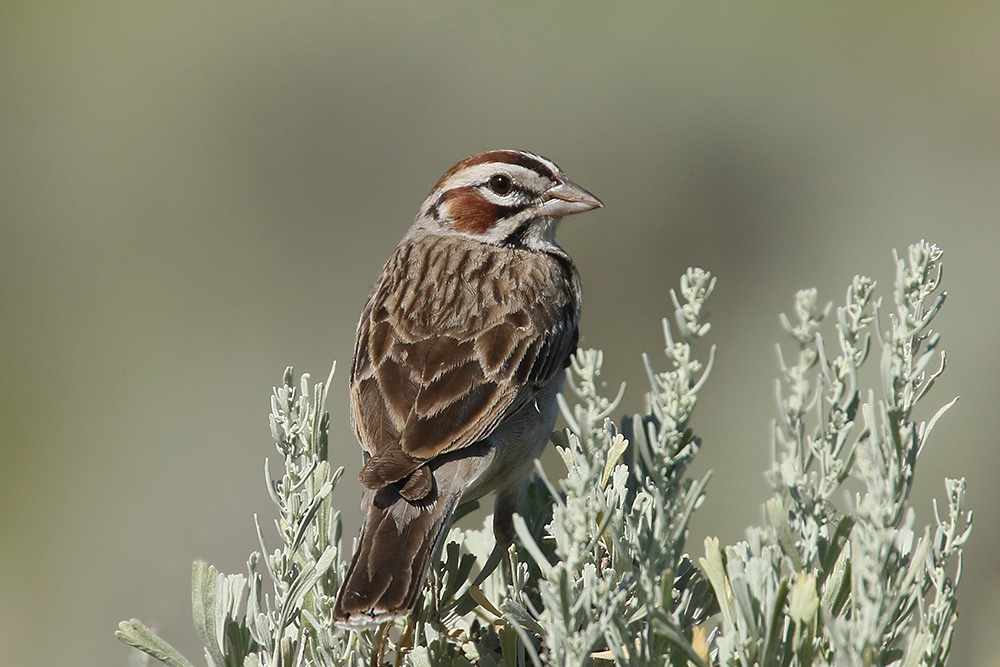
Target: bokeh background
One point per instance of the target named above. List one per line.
(195, 195)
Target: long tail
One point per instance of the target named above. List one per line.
(399, 538)
(387, 573)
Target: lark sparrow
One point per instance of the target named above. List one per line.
(460, 352)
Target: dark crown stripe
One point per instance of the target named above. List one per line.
(531, 162)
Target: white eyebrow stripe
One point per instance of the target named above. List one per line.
(480, 173)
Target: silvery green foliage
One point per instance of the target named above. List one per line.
(818, 585)
(287, 621)
(600, 574)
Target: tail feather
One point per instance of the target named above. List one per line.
(400, 536)
(390, 565)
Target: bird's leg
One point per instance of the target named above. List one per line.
(380, 650)
(503, 533)
(406, 638)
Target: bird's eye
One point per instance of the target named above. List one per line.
(500, 184)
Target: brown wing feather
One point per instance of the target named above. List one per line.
(444, 375)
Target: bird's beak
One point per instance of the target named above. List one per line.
(566, 198)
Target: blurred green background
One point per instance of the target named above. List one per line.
(195, 195)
